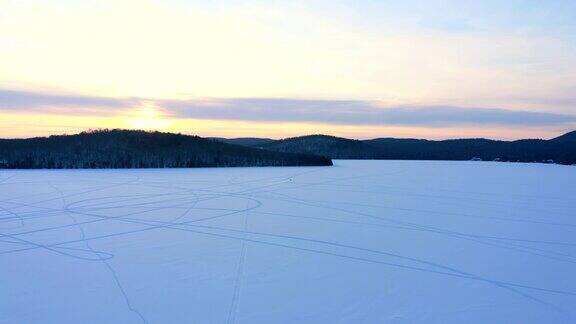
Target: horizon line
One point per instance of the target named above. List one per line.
(95, 130)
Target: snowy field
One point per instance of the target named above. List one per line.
(360, 242)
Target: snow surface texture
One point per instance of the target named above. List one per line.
(360, 242)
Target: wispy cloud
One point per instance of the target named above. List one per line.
(337, 112)
(30, 100)
(358, 113)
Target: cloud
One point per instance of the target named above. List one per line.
(335, 112)
(359, 113)
(29, 100)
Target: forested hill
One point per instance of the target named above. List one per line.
(139, 149)
(558, 150)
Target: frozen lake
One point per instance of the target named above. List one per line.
(360, 242)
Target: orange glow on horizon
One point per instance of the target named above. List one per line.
(148, 117)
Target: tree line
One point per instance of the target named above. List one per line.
(560, 150)
(139, 149)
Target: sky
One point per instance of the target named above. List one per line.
(359, 68)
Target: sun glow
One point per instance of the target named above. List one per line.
(149, 117)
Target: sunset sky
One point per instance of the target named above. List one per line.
(358, 68)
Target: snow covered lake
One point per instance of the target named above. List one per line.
(360, 242)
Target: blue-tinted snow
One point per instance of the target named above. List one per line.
(360, 242)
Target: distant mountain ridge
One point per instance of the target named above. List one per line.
(568, 137)
(139, 149)
(561, 149)
(244, 141)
